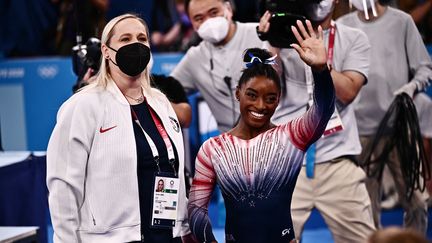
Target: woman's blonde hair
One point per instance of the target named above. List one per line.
(103, 76)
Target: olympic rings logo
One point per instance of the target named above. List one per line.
(47, 72)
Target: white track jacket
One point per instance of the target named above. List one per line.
(92, 167)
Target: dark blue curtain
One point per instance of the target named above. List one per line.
(27, 28)
(24, 195)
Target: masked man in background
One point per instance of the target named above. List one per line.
(335, 185)
(214, 66)
(399, 63)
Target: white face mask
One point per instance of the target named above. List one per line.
(365, 5)
(319, 11)
(214, 30)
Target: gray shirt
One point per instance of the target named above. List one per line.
(351, 53)
(398, 56)
(423, 104)
(215, 70)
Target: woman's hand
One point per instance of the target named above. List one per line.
(311, 47)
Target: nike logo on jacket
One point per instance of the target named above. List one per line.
(101, 130)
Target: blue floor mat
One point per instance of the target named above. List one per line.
(315, 228)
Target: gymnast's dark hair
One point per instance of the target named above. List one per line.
(258, 63)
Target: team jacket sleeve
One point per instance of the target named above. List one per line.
(308, 128)
(200, 194)
(67, 153)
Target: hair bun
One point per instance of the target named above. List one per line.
(259, 62)
(249, 53)
(258, 57)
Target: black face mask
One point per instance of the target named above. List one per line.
(132, 59)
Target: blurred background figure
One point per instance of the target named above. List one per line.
(420, 11)
(85, 18)
(396, 235)
(172, 30)
(27, 27)
(399, 64)
(246, 10)
(142, 8)
(214, 66)
(423, 104)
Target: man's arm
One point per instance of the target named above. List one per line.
(184, 113)
(347, 85)
(349, 78)
(419, 61)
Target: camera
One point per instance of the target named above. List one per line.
(284, 14)
(86, 56)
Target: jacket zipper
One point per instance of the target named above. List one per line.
(94, 220)
(91, 213)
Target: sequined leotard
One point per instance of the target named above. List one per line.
(257, 176)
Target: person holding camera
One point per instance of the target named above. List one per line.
(213, 66)
(330, 180)
(113, 141)
(256, 163)
(400, 64)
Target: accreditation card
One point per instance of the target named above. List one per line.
(165, 200)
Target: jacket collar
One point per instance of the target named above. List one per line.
(155, 102)
(115, 91)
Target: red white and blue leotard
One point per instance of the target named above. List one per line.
(257, 176)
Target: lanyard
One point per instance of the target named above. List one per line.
(164, 135)
(330, 51)
(331, 44)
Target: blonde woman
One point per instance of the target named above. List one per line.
(113, 140)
